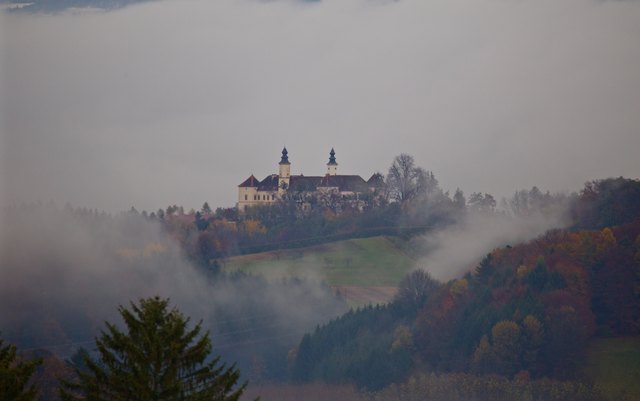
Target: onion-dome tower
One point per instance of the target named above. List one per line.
(332, 166)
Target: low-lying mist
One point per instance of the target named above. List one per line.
(456, 249)
(63, 273)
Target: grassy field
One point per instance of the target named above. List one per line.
(614, 365)
(363, 269)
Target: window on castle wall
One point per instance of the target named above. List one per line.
(246, 197)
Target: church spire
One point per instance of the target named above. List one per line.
(332, 166)
(284, 172)
(332, 157)
(285, 157)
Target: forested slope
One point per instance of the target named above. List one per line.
(527, 311)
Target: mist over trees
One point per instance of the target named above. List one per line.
(68, 269)
(523, 311)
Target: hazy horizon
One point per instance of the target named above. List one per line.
(177, 102)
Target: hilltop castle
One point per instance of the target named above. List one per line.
(253, 192)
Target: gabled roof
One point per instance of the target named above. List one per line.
(249, 182)
(269, 184)
(376, 180)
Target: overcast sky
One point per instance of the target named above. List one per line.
(179, 101)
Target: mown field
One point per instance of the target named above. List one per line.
(364, 270)
(614, 365)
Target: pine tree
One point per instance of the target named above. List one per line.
(15, 375)
(156, 358)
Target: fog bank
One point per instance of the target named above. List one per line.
(63, 273)
(459, 248)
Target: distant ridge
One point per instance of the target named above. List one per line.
(44, 6)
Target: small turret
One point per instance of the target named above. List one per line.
(332, 166)
(285, 172)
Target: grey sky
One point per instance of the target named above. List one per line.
(179, 101)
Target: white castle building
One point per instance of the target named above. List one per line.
(253, 192)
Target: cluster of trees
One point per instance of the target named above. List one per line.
(156, 357)
(526, 311)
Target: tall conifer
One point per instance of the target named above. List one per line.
(156, 358)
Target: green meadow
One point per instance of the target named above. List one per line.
(614, 366)
(375, 261)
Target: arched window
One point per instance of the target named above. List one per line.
(246, 196)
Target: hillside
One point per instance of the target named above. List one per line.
(528, 312)
(364, 270)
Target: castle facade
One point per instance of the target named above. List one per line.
(253, 192)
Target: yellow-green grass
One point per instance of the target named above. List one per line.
(375, 261)
(614, 366)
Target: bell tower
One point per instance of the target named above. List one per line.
(332, 166)
(284, 172)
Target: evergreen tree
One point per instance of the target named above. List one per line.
(206, 209)
(14, 375)
(157, 358)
